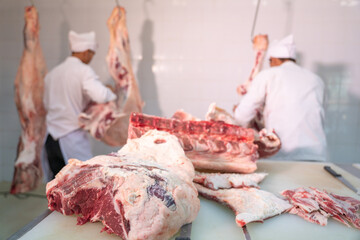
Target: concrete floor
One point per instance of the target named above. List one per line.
(17, 211)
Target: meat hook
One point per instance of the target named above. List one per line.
(254, 22)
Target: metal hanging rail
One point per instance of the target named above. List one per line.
(254, 22)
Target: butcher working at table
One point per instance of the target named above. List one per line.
(293, 104)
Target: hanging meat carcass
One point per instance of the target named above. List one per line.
(29, 90)
(144, 191)
(109, 122)
(260, 45)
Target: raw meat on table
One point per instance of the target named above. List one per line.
(317, 206)
(209, 144)
(267, 140)
(228, 180)
(249, 204)
(29, 90)
(109, 122)
(144, 191)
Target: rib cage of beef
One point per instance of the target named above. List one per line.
(29, 91)
(109, 122)
(144, 191)
(210, 145)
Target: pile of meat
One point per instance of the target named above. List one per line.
(317, 206)
(109, 122)
(211, 145)
(239, 192)
(144, 191)
(29, 90)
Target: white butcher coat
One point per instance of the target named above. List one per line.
(69, 87)
(293, 99)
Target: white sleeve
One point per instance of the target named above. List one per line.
(252, 100)
(95, 89)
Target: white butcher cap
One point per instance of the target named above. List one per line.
(283, 49)
(80, 42)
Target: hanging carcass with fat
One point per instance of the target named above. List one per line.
(260, 46)
(109, 122)
(29, 90)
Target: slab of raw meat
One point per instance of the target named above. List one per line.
(109, 122)
(249, 204)
(144, 191)
(217, 181)
(317, 206)
(29, 90)
(209, 144)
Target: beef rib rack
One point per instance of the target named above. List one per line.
(212, 145)
(144, 191)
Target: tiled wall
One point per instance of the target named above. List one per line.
(189, 53)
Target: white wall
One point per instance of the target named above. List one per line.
(189, 53)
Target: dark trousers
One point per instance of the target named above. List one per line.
(54, 154)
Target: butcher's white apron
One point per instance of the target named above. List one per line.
(76, 145)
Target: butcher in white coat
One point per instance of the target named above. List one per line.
(293, 99)
(69, 88)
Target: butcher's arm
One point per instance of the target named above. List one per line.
(95, 90)
(246, 109)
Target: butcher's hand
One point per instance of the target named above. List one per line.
(261, 42)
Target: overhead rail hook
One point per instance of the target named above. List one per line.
(254, 22)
